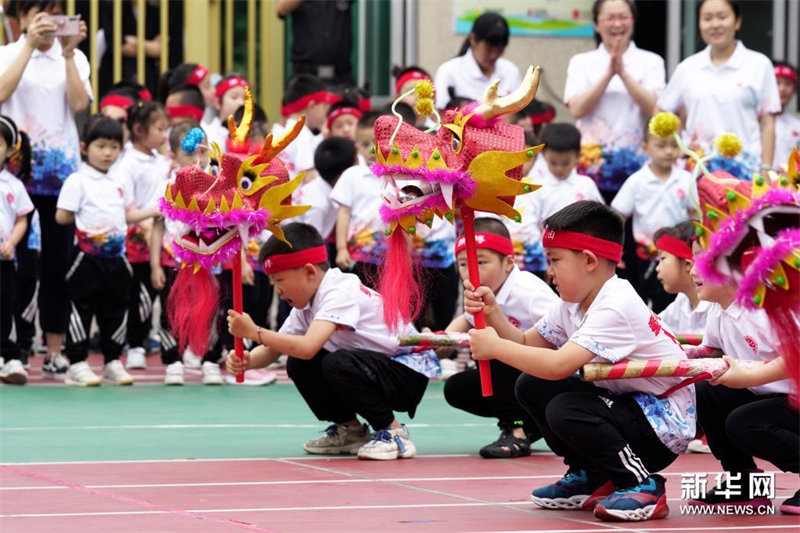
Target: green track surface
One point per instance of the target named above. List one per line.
(55, 423)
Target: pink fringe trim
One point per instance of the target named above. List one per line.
(759, 270)
(197, 220)
(455, 177)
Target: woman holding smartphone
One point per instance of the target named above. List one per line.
(44, 81)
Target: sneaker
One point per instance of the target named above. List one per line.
(698, 446)
(792, 505)
(449, 368)
(174, 374)
(645, 501)
(280, 362)
(604, 490)
(254, 378)
(190, 360)
(81, 375)
(55, 366)
(115, 373)
(387, 444)
(568, 493)
(136, 359)
(13, 373)
(211, 374)
(734, 491)
(339, 438)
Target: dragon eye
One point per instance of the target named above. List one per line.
(456, 144)
(246, 183)
(213, 166)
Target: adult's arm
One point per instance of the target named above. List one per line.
(77, 96)
(9, 80)
(284, 7)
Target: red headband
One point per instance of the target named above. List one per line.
(226, 85)
(488, 241)
(782, 71)
(580, 241)
(541, 118)
(144, 94)
(278, 263)
(408, 76)
(180, 111)
(304, 101)
(364, 105)
(675, 246)
(336, 113)
(197, 76)
(116, 100)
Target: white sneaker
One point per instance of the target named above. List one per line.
(211, 374)
(339, 438)
(387, 444)
(698, 446)
(190, 359)
(55, 366)
(13, 373)
(254, 378)
(174, 374)
(449, 368)
(115, 373)
(137, 358)
(81, 375)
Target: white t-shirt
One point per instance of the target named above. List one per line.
(653, 202)
(787, 137)
(682, 319)
(98, 201)
(14, 202)
(322, 214)
(726, 99)
(39, 107)
(465, 76)
(143, 176)
(524, 299)
(744, 335)
(216, 132)
(616, 119)
(360, 190)
(357, 312)
(618, 325)
(299, 155)
(556, 194)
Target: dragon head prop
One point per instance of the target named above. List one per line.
(472, 161)
(214, 212)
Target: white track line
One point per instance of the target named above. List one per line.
(220, 426)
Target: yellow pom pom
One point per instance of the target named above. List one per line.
(729, 145)
(425, 107)
(423, 89)
(665, 124)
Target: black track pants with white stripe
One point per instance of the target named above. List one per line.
(140, 307)
(97, 287)
(607, 435)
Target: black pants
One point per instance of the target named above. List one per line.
(140, 307)
(463, 391)
(9, 349)
(606, 435)
(97, 287)
(57, 244)
(440, 298)
(27, 293)
(740, 425)
(339, 385)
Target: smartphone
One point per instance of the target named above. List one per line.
(66, 25)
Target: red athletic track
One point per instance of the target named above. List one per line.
(441, 493)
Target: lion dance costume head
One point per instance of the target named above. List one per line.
(216, 211)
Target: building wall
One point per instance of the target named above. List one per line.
(438, 43)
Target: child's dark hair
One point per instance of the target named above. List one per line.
(173, 78)
(493, 226)
(596, 15)
(590, 218)
(99, 126)
(405, 110)
(259, 124)
(301, 85)
(455, 100)
(301, 236)
(15, 138)
(177, 134)
(21, 7)
(561, 137)
(368, 119)
(143, 114)
(189, 95)
(333, 156)
(490, 27)
(342, 104)
(538, 112)
(683, 231)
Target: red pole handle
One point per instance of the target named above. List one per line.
(468, 217)
(236, 269)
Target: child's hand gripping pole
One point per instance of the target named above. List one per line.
(238, 345)
(468, 217)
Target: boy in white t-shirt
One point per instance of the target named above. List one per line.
(524, 299)
(787, 125)
(99, 278)
(612, 434)
(657, 195)
(342, 358)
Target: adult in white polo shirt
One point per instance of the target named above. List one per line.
(726, 88)
(612, 90)
(43, 82)
(478, 63)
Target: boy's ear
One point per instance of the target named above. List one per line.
(310, 270)
(688, 265)
(508, 263)
(590, 260)
(82, 146)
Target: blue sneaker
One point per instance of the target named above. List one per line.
(569, 492)
(645, 501)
